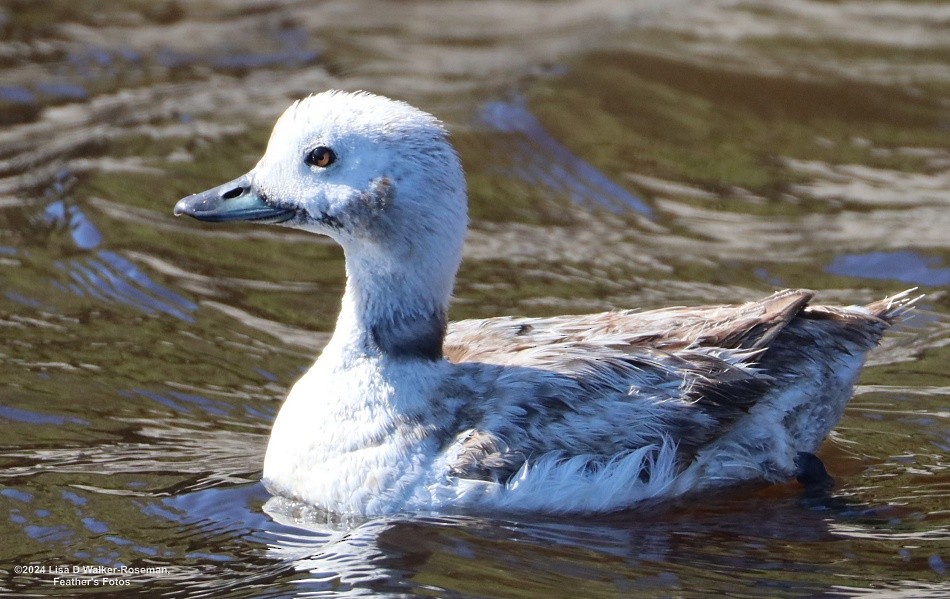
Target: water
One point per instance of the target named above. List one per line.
(634, 155)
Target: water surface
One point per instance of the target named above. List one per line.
(640, 155)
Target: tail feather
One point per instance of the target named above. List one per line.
(893, 308)
(814, 363)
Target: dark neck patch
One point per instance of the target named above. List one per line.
(411, 337)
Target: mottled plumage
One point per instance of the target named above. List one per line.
(566, 414)
(602, 384)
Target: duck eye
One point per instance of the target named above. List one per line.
(321, 156)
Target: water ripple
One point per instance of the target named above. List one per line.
(543, 160)
(905, 266)
(110, 278)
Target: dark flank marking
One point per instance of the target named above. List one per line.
(411, 337)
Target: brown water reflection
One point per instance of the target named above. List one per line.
(619, 155)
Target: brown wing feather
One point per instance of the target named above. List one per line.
(698, 368)
(746, 326)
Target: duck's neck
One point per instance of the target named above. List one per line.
(391, 312)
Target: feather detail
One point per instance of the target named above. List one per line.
(565, 414)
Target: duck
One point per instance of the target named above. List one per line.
(405, 412)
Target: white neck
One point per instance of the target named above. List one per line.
(391, 309)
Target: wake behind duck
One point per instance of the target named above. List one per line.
(403, 411)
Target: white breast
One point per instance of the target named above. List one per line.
(357, 439)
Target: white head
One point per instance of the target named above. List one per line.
(376, 175)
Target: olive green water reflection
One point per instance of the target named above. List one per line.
(634, 155)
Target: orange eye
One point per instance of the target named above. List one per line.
(321, 156)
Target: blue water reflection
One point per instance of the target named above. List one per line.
(32, 417)
(83, 233)
(546, 161)
(904, 266)
(108, 277)
(15, 94)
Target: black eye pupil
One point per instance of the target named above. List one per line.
(321, 157)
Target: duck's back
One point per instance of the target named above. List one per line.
(746, 387)
(751, 326)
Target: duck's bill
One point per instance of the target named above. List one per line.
(234, 201)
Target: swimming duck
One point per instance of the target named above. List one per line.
(404, 411)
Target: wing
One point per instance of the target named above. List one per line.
(598, 403)
(512, 340)
(603, 384)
